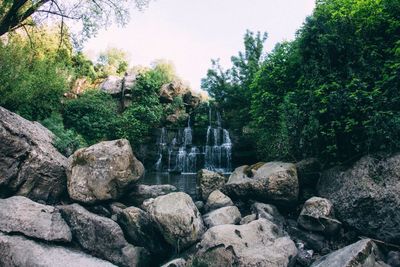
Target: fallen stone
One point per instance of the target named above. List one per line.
(217, 200)
(269, 212)
(258, 243)
(102, 237)
(177, 218)
(274, 182)
(209, 181)
(22, 215)
(247, 219)
(104, 171)
(225, 215)
(22, 252)
(363, 253)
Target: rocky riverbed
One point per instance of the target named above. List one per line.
(92, 210)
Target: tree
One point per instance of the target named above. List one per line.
(113, 61)
(91, 14)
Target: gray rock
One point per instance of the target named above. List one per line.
(247, 219)
(317, 215)
(200, 206)
(274, 182)
(29, 164)
(217, 200)
(22, 215)
(103, 171)
(177, 218)
(312, 241)
(209, 181)
(175, 263)
(102, 237)
(225, 215)
(112, 85)
(367, 196)
(141, 192)
(258, 243)
(363, 253)
(21, 252)
(304, 257)
(142, 231)
(269, 212)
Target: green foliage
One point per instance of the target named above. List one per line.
(66, 140)
(32, 82)
(113, 61)
(333, 92)
(92, 115)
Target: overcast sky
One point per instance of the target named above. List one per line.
(192, 32)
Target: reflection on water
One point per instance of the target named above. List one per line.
(184, 182)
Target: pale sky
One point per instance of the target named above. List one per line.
(192, 32)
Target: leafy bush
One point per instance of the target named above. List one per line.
(66, 140)
(92, 115)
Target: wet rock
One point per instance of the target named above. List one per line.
(177, 218)
(363, 253)
(102, 237)
(218, 200)
(317, 215)
(247, 219)
(269, 212)
(209, 181)
(29, 164)
(141, 192)
(225, 215)
(312, 241)
(22, 215)
(366, 196)
(274, 182)
(175, 263)
(22, 252)
(104, 171)
(141, 231)
(258, 243)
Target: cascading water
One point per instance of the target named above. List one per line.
(178, 152)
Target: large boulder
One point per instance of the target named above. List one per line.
(258, 243)
(104, 171)
(367, 196)
(22, 215)
(209, 181)
(141, 192)
(317, 215)
(171, 90)
(177, 218)
(225, 215)
(22, 252)
(102, 237)
(29, 164)
(274, 182)
(217, 200)
(142, 231)
(363, 253)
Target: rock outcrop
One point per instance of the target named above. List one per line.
(367, 196)
(104, 171)
(177, 218)
(226, 215)
(209, 181)
(22, 215)
(29, 164)
(21, 252)
(258, 243)
(102, 237)
(274, 182)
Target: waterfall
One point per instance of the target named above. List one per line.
(179, 152)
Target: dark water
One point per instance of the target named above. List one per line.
(184, 182)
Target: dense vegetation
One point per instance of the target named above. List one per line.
(332, 93)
